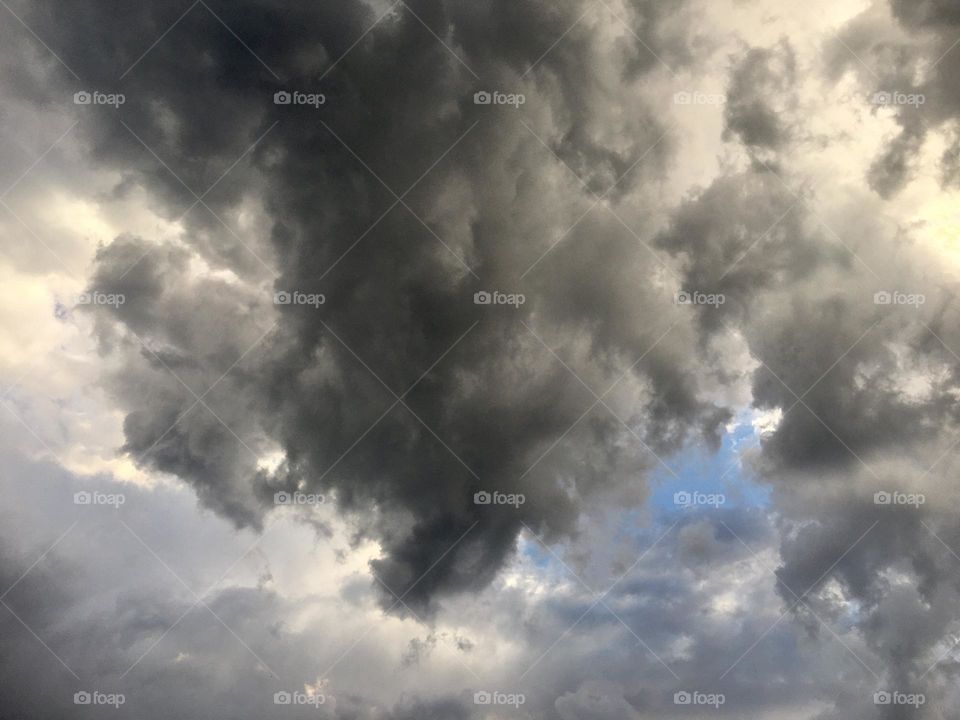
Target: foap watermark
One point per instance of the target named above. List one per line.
(95, 697)
(315, 100)
(298, 498)
(96, 297)
(887, 697)
(295, 297)
(694, 697)
(484, 697)
(882, 497)
(695, 97)
(695, 297)
(498, 298)
(498, 498)
(896, 98)
(685, 499)
(115, 100)
(299, 698)
(96, 497)
(896, 297)
(482, 97)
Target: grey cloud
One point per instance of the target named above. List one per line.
(742, 236)
(936, 13)
(804, 308)
(890, 172)
(322, 384)
(595, 700)
(397, 299)
(119, 618)
(200, 667)
(950, 163)
(760, 97)
(101, 600)
(914, 56)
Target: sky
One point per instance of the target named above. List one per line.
(479, 359)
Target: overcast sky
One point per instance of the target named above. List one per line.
(468, 359)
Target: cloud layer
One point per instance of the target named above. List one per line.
(547, 252)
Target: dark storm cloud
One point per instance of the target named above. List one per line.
(940, 14)
(743, 236)
(857, 431)
(401, 398)
(836, 364)
(762, 83)
(885, 573)
(481, 400)
(916, 57)
(841, 368)
(891, 171)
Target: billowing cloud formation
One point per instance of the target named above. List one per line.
(905, 53)
(760, 79)
(126, 620)
(468, 270)
(397, 200)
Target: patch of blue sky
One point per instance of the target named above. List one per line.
(698, 472)
(695, 471)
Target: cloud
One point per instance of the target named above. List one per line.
(109, 598)
(313, 319)
(907, 49)
(762, 83)
(388, 396)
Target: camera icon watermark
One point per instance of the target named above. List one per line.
(895, 697)
(295, 297)
(483, 97)
(896, 99)
(496, 297)
(297, 697)
(95, 297)
(882, 497)
(298, 498)
(485, 697)
(686, 499)
(85, 497)
(95, 697)
(694, 697)
(695, 297)
(498, 498)
(96, 97)
(695, 97)
(895, 297)
(315, 100)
